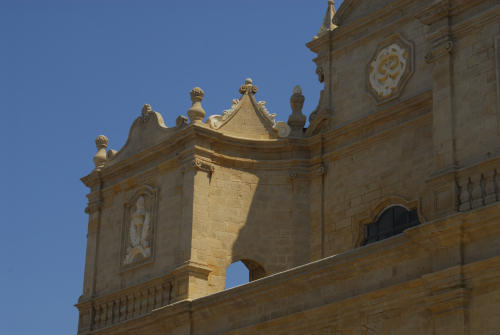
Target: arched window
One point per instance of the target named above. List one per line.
(394, 220)
(242, 272)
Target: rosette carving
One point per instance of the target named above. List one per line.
(390, 68)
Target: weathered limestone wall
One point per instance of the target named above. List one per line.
(437, 278)
(475, 98)
(171, 243)
(352, 54)
(244, 215)
(387, 166)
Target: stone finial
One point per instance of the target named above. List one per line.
(146, 112)
(297, 120)
(146, 109)
(248, 87)
(196, 113)
(328, 24)
(100, 157)
(297, 90)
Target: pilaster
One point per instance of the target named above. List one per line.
(447, 301)
(93, 209)
(440, 57)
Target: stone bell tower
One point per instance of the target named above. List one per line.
(382, 216)
(175, 206)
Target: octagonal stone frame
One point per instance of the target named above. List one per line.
(404, 43)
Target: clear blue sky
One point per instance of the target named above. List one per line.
(71, 70)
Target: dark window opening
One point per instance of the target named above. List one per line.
(393, 221)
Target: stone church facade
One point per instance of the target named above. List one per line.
(381, 217)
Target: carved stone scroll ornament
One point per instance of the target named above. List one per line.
(281, 127)
(390, 68)
(147, 114)
(202, 166)
(217, 121)
(439, 49)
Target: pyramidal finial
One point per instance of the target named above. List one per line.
(328, 24)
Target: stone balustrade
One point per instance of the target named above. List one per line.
(478, 187)
(124, 305)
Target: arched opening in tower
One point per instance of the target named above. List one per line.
(243, 272)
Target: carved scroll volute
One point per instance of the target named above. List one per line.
(203, 166)
(248, 87)
(439, 49)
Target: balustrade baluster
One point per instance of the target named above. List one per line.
(165, 297)
(464, 194)
(123, 308)
(130, 307)
(144, 308)
(116, 311)
(151, 299)
(158, 292)
(93, 320)
(490, 195)
(110, 313)
(104, 315)
(496, 179)
(97, 317)
(477, 199)
(137, 304)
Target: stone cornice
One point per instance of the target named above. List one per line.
(467, 169)
(365, 23)
(390, 15)
(191, 133)
(442, 9)
(475, 22)
(359, 132)
(286, 154)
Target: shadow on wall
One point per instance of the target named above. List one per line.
(273, 232)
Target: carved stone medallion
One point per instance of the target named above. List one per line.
(390, 68)
(138, 227)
